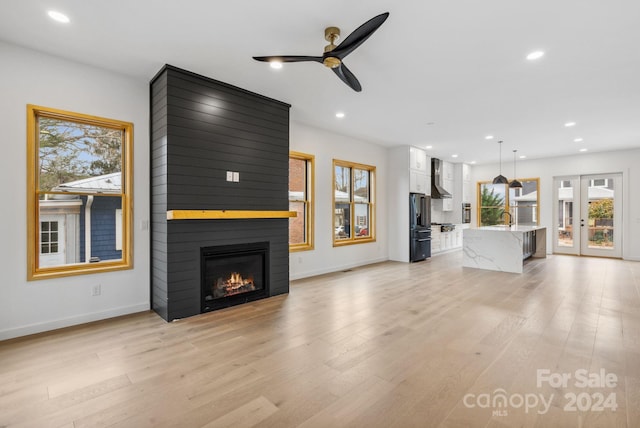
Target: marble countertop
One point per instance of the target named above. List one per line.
(514, 228)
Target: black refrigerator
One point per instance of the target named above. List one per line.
(419, 226)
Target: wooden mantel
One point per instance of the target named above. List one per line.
(226, 214)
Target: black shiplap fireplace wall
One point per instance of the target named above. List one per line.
(200, 129)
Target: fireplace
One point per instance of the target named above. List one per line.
(233, 274)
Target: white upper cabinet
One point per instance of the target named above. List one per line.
(418, 160)
(466, 172)
(447, 172)
(467, 186)
(419, 171)
(419, 182)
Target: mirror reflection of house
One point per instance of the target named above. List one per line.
(80, 228)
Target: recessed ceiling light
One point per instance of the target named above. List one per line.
(569, 124)
(340, 115)
(429, 147)
(577, 140)
(584, 150)
(523, 156)
(275, 64)
(489, 137)
(57, 16)
(535, 55)
(472, 162)
(454, 156)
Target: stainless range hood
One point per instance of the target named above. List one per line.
(437, 191)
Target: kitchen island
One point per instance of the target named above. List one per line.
(503, 248)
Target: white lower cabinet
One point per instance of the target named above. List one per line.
(445, 241)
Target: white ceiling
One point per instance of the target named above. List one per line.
(444, 73)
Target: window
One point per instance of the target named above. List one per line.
(599, 182)
(301, 175)
(48, 237)
(353, 203)
(521, 203)
(79, 200)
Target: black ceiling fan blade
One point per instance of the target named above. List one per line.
(288, 58)
(347, 77)
(358, 36)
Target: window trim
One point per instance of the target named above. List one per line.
(34, 271)
(309, 201)
(372, 203)
(479, 184)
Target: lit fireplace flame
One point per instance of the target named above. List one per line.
(234, 284)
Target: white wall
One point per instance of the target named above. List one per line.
(326, 146)
(626, 162)
(29, 77)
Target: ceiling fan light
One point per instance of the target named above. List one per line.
(275, 64)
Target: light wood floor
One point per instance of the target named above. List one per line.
(388, 345)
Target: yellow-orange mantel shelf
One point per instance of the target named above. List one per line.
(226, 214)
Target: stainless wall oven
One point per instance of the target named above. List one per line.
(466, 212)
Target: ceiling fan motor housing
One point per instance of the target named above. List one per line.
(331, 34)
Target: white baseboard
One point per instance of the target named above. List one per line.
(307, 274)
(71, 321)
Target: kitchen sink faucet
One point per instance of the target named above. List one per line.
(510, 217)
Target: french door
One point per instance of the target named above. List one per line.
(588, 215)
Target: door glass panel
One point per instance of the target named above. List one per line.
(600, 217)
(565, 214)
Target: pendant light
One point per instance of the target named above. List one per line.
(515, 184)
(500, 179)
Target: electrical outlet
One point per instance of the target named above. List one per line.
(236, 177)
(96, 290)
(229, 175)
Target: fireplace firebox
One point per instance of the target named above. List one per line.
(234, 274)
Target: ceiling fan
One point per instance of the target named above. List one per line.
(333, 55)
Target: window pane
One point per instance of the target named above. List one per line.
(70, 151)
(342, 221)
(492, 205)
(300, 200)
(361, 227)
(297, 179)
(361, 185)
(523, 203)
(343, 184)
(354, 202)
(68, 216)
(297, 224)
